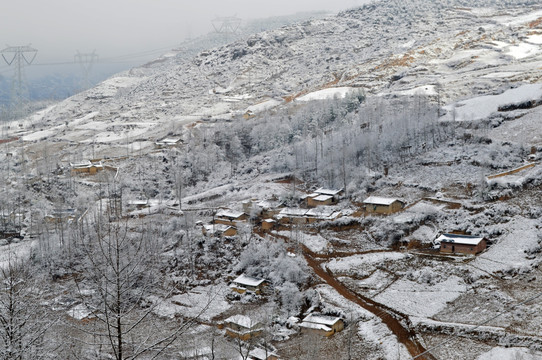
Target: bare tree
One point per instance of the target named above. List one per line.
(120, 272)
(22, 325)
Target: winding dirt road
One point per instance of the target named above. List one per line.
(389, 316)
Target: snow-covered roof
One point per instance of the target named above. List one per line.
(138, 202)
(83, 164)
(323, 197)
(460, 239)
(217, 227)
(322, 212)
(331, 192)
(321, 319)
(241, 320)
(248, 280)
(293, 212)
(170, 140)
(229, 213)
(315, 326)
(380, 200)
(260, 354)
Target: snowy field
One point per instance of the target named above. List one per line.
(16, 251)
(424, 300)
(484, 106)
(201, 302)
(363, 263)
(509, 252)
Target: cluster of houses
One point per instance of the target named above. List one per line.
(246, 328)
(319, 206)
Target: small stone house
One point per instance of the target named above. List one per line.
(168, 142)
(268, 224)
(322, 213)
(324, 197)
(229, 217)
(244, 283)
(315, 200)
(461, 244)
(219, 230)
(322, 324)
(382, 205)
(242, 327)
(86, 167)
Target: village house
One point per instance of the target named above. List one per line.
(263, 209)
(462, 244)
(229, 217)
(168, 142)
(292, 216)
(86, 167)
(268, 224)
(61, 216)
(244, 283)
(324, 197)
(138, 203)
(314, 200)
(322, 324)
(219, 230)
(249, 114)
(382, 205)
(322, 213)
(242, 327)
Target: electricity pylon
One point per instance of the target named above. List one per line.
(226, 25)
(20, 56)
(86, 61)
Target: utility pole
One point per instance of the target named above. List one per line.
(20, 56)
(86, 61)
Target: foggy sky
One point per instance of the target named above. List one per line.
(115, 28)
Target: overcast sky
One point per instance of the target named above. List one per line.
(58, 28)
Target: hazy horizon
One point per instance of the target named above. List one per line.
(60, 28)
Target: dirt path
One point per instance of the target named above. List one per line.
(388, 316)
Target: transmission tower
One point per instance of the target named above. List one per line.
(86, 61)
(226, 25)
(20, 56)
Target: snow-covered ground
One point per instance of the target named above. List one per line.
(203, 303)
(509, 251)
(423, 300)
(510, 354)
(484, 106)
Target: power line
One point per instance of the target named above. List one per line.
(86, 61)
(20, 56)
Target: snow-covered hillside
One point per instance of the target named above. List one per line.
(230, 161)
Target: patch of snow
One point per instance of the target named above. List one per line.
(535, 39)
(510, 354)
(202, 302)
(263, 106)
(423, 300)
(500, 75)
(523, 50)
(363, 260)
(483, 107)
(326, 94)
(509, 251)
